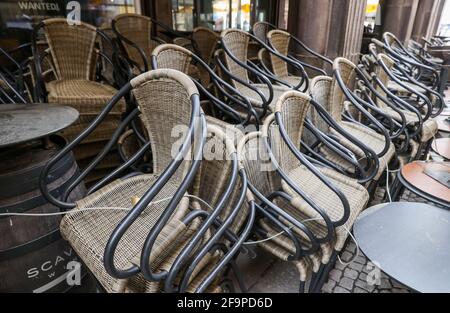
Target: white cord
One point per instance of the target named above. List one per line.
(357, 248)
(96, 208)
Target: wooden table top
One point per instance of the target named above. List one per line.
(409, 242)
(442, 147)
(414, 174)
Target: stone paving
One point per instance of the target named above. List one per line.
(265, 274)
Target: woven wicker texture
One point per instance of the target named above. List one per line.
(206, 42)
(71, 47)
(173, 56)
(260, 30)
(321, 93)
(280, 42)
(166, 109)
(347, 70)
(137, 28)
(256, 100)
(89, 231)
(237, 43)
(88, 97)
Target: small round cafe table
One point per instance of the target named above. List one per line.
(429, 180)
(20, 123)
(408, 241)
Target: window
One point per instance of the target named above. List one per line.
(218, 14)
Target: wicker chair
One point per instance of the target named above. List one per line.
(74, 59)
(334, 94)
(134, 32)
(318, 193)
(280, 40)
(263, 95)
(260, 30)
(137, 233)
(204, 44)
(424, 126)
(413, 70)
(295, 243)
(237, 109)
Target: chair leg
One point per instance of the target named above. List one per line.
(326, 270)
(302, 287)
(238, 274)
(314, 278)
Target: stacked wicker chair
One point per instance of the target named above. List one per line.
(134, 32)
(176, 229)
(418, 119)
(229, 106)
(204, 42)
(335, 95)
(280, 40)
(260, 92)
(74, 59)
(313, 205)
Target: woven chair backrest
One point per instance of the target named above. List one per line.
(347, 71)
(293, 107)
(383, 76)
(237, 43)
(206, 42)
(279, 39)
(138, 29)
(320, 90)
(71, 48)
(172, 56)
(164, 98)
(260, 30)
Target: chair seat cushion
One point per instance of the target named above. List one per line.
(326, 199)
(88, 97)
(89, 231)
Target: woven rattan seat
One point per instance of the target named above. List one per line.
(89, 231)
(88, 97)
(356, 194)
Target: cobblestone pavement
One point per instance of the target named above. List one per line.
(263, 273)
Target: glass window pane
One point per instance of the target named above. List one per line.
(183, 14)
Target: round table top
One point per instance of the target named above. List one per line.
(442, 147)
(24, 122)
(414, 174)
(443, 122)
(409, 242)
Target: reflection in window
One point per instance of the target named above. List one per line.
(183, 14)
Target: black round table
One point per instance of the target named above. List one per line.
(409, 242)
(20, 123)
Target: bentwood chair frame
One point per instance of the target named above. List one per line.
(13, 86)
(400, 76)
(424, 127)
(197, 131)
(409, 68)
